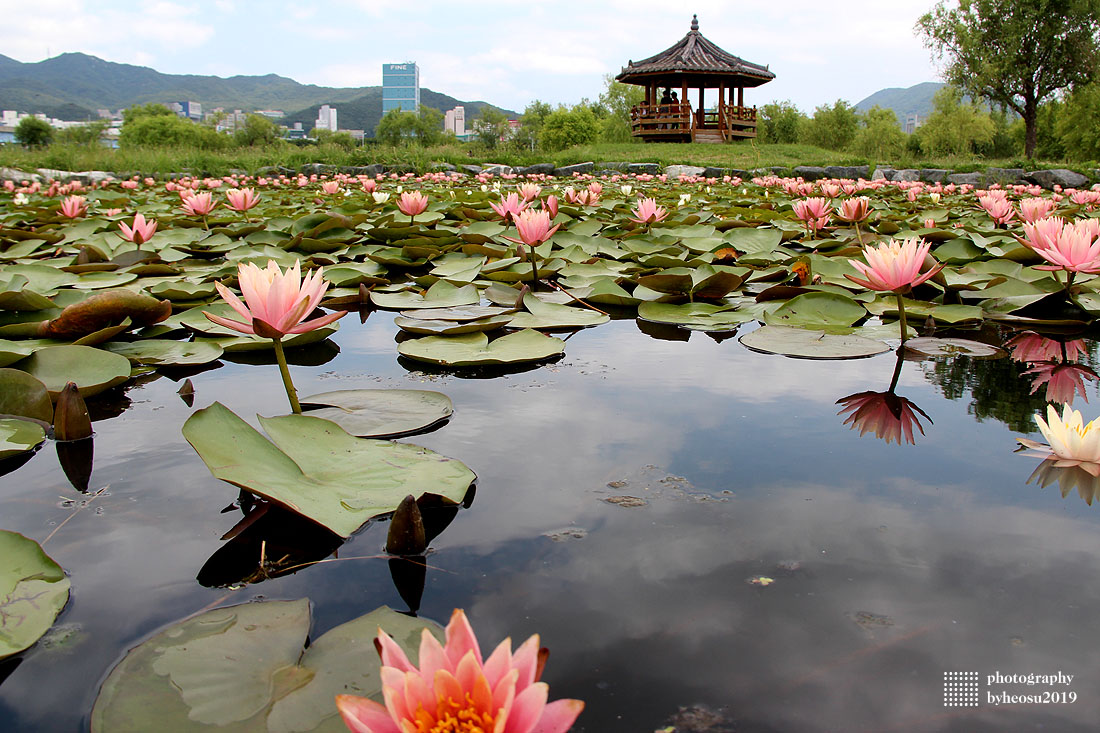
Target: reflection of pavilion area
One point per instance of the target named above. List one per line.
(694, 63)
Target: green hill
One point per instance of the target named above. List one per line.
(916, 100)
(75, 85)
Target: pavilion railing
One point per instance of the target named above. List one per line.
(658, 119)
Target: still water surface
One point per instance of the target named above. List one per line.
(890, 565)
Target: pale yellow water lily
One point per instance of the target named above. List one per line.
(1072, 441)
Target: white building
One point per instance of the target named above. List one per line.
(454, 120)
(326, 118)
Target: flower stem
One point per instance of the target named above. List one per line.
(534, 266)
(859, 236)
(901, 319)
(291, 393)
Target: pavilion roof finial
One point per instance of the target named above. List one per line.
(694, 22)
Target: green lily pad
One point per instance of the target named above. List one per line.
(474, 349)
(441, 295)
(23, 395)
(182, 290)
(381, 413)
(94, 370)
(33, 590)
(542, 315)
(701, 316)
(428, 327)
(459, 313)
(165, 351)
(314, 467)
(16, 296)
(817, 309)
(243, 669)
(752, 240)
(244, 342)
(808, 344)
(13, 351)
(927, 346)
(19, 436)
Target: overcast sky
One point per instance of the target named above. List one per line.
(505, 52)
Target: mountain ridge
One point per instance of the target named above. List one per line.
(74, 85)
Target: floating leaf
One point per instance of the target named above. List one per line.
(317, 469)
(458, 313)
(23, 395)
(808, 344)
(105, 309)
(553, 316)
(954, 347)
(33, 590)
(381, 413)
(18, 436)
(425, 326)
(475, 349)
(702, 316)
(817, 309)
(440, 295)
(164, 351)
(243, 668)
(94, 370)
(13, 351)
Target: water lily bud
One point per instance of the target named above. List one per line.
(70, 418)
(75, 457)
(406, 535)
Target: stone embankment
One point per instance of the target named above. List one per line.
(1046, 178)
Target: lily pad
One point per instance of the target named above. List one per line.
(474, 349)
(553, 316)
(381, 413)
(103, 310)
(440, 295)
(165, 351)
(19, 436)
(94, 370)
(23, 395)
(808, 344)
(816, 309)
(701, 316)
(33, 590)
(13, 351)
(317, 469)
(243, 668)
(954, 347)
(424, 326)
(458, 313)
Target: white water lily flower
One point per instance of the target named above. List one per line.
(684, 198)
(20, 199)
(1072, 442)
(626, 188)
(380, 198)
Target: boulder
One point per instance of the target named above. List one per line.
(1063, 177)
(497, 169)
(18, 176)
(1005, 176)
(808, 172)
(90, 178)
(738, 173)
(650, 168)
(882, 173)
(712, 172)
(317, 169)
(616, 166)
(470, 170)
(934, 175)
(544, 169)
(847, 171)
(906, 174)
(675, 171)
(778, 170)
(445, 167)
(976, 179)
(567, 171)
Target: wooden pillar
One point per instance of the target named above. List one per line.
(722, 123)
(740, 96)
(702, 107)
(686, 125)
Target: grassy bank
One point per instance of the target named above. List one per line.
(744, 154)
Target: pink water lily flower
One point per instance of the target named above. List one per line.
(1034, 209)
(455, 690)
(509, 207)
(242, 199)
(551, 205)
(142, 231)
(1072, 247)
(412, 203)
(894, 266)
(999, 209)
(529, 191)
(534, 227)
(73, 206)
(814, 212)
(199, 204)
(330, 187)
(855, 209)
(275, 302)
(648, 212)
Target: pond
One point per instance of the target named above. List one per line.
(708, 533)
(890, 565)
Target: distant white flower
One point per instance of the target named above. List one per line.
(380, 198)
(626, 188)
(20, 199)
(935, 197)
(684, 198)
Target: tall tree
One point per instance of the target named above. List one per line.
(1016, 53)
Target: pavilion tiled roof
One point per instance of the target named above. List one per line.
(694, 54)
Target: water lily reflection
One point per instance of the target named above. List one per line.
(1068, 478)
(890, 416)
(1063, 382)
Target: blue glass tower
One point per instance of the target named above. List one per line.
(400, 87)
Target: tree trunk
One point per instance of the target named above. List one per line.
(1031, 120)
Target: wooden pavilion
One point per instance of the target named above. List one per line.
(696, 64)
